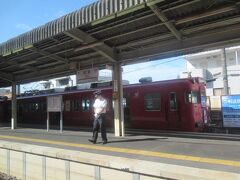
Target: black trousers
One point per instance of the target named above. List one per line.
(99, 124)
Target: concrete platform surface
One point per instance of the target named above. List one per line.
(221, 155)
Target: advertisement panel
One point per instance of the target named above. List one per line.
(231, 111)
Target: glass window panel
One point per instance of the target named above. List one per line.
(83, 104)
(173, 102)
(87, 104)
(152, 101)
(194, 97)
(188, 97)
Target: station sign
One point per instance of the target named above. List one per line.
(54, 103)
(231, 111)
(87, 75)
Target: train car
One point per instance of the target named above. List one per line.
(163, 105)
(1, 108)
(167, 105)
(4, 114)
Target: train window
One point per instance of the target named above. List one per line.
(173, 101)
(124, 102)
(195, 97)
(20, 107)
(67, 105)
(192, 97)
(36, 106)
(76, 105)
(25, 108)
(72, 106)
(85, 104)
(32, 107)
(29, 107)
(188, 97)
(44, 106)
(152, 101)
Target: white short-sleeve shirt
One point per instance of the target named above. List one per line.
(100, 105)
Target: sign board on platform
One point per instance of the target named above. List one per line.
(54, 103)
(87, 75)
(231, 111)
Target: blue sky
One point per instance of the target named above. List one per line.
(17, 17)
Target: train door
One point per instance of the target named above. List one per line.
(173, 116)
(126, 109)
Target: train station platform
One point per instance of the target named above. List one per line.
(38, 154)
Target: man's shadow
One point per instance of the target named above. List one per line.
(134, 140)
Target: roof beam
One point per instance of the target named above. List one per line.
(45, 73)
(47, 54)
(85, 38)
(20, 65)
(180, 5)
(207, 14)
(165, 20)
(90, 45)
(7, 77)
(186, 32)
(210, 39)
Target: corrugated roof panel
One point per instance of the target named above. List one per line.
(80, 17)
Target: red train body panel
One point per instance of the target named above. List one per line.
(4, 110)
(165, 105)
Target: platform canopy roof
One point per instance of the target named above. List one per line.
(125, 31)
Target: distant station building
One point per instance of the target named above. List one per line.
(70, 81)
(5, 92)
(208, 65)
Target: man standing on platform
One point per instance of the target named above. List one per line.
(100, 108)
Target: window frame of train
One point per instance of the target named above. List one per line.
(155, 98)
(72, 105)
(43, 106)
(84, 103)
(67, 105)
(189, 97)
(76, 105)
(175, 106)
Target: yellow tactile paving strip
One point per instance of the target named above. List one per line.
(131, 151)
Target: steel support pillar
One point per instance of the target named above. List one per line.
(14, 106)
(224, 73)
(117, 100)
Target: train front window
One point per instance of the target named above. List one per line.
(192, 97)
(152, 102)
(173, 101)
(195, 97)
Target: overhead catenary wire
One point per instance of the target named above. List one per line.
(154, 65)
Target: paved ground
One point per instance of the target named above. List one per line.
(208, 151)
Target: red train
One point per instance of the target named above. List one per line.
(166, 105)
